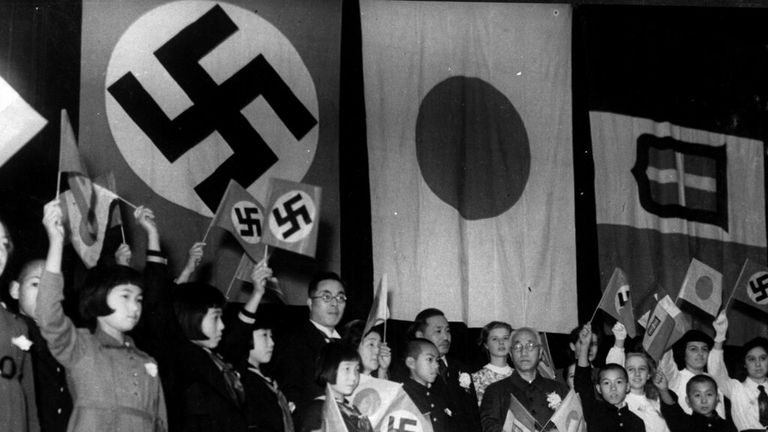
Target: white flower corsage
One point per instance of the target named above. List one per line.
(464, 380)
(553, 401)
(151, 369)
(22, 342)
(448, 412)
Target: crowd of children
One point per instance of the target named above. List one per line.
(156, 355)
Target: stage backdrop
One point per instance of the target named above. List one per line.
(468, 111)
(177, 98)
(676, 125)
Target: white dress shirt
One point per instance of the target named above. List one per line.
(743, 395)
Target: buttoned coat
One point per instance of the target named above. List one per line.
(17, 390)
(115, 386)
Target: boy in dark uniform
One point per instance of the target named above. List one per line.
(421, 359)
(54, 403)
(701, 395)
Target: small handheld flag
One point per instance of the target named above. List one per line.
(293, 216)
(702, 287)
(617, 301)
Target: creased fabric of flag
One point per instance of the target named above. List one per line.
(468, 110)
(19, 122)
(667, 194)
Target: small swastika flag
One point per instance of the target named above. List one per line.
(617, 301)
(752, 286)
(293, 216)
(242, 215)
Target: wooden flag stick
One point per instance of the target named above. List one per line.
(134, 206)
(733, 292)
(229, 288)
(122, 230)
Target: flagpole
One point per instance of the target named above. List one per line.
(733, 292)
(226, 295)
(122, 230)
(126, 201)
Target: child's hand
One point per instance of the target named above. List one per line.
(385, 356)
(123, 255)
(145, 218)
(660, 381)
(260, 275)
(721, 327)
(195, 255)
(52, 221)
(585, 337)
(619, 331)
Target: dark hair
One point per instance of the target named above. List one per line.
(678, 349)
(27, 268)
(191, 304)
(420, 322)
(323, 276)
(331, 355)
(698, 379)
(486, 330)
(352, 334)
(99, 281)
(416, 346)
(612, 367)
(573, 336)
(754, 343)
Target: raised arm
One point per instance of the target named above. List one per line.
(616, 354)
(57, 329)
(234, 343)
(195, 254)
(716, 363)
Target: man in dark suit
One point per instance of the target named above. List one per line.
(297, 350)
(454, 380)
(537, 394)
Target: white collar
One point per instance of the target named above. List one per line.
(329, 333)
(501, 370)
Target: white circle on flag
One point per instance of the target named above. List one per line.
(248, 221)
(293, 216)
(402, 420)
(757, 288)
(134, 53)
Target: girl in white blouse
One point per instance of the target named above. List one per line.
(494, 339)
(643, 398)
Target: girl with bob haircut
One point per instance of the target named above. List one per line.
(338, 368)
(643, 397)
(186, 327)
(745, 395)
(115, 385)
(494, 340)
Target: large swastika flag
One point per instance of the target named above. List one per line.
(180, 97)
(468, 110)
(19, 122)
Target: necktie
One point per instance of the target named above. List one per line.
(443, 370)
(234, 386)
(762, 405)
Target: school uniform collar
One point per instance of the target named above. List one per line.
(329, 333)
(108, 341)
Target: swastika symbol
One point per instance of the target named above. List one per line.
(758, 288)
(622, 297)
(402, 425)
(293, 216)
(216, 107)
(247, 220)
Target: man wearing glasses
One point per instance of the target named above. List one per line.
(297, 350)
(535, 393)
